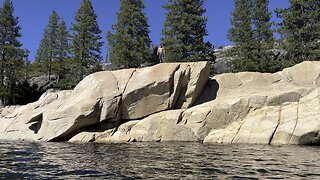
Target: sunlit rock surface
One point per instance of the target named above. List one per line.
(176, 102)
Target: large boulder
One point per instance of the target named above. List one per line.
(159, 127)
(148, 91)
(94, 99)
(24, 122)
(305, 74)
(103, 101)
(162, 127)
(163, 87)
(176, 102)
(289, 123)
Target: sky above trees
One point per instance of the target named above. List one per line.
(34, 14)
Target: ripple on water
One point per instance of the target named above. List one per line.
(156, 160)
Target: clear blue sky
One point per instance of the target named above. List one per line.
(33, 17)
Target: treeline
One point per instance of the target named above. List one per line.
(182, 35)
(68, 55)
(256, 49)
(72, 54)
(13, 59)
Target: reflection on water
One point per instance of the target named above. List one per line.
(156, 160)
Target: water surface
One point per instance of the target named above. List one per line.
(156, 160)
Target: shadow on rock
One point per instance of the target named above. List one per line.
(311, 138)
(209, 93)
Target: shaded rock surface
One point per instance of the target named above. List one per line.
(43, 83)
(176, 102)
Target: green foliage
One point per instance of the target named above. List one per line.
(48, 50)
(26, 93)
(12, 56)
(241, 34)
(129, 45)
(208, 53)
(184, 30)
(154, 55)
(263, 37)
(63, 51)
(53, 53)
(300, 30)
(252, 36)
(86, 45)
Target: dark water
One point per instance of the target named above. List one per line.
(156, 160)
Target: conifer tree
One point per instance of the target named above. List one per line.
(252, 36)
(48, 51)
(63, 52)
(300, 30)
(184, 30)
(11, 55)
(129, 45)
(241, 34)
(263, 37)
(86, 45)
(53, 52)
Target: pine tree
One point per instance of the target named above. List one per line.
(48, 51)
(11, 55)
(241, 34)
(184, 30)
(263, 37)
(252, 36)
(63, 53)
(86, 45)
(130, 44)
(300, 30)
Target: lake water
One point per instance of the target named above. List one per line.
(156, 160)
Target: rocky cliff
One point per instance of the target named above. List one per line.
(176, 102)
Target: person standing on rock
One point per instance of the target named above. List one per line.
(161, 53)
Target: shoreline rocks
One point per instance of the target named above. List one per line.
(176, 102)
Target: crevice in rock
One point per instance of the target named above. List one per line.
(171, 90)
(184, 87)
(125, 87)
(245, 111)
(276, 128)
(175, 89)
(117, 113)
(36, 123)
(295, 126)
(317, 81)
(242, 121)
(116, 99)
(180, 117)
(238, 130)
(118, 123)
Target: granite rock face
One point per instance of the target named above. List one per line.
(103, 100)
(281, 108)
(176, 102)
